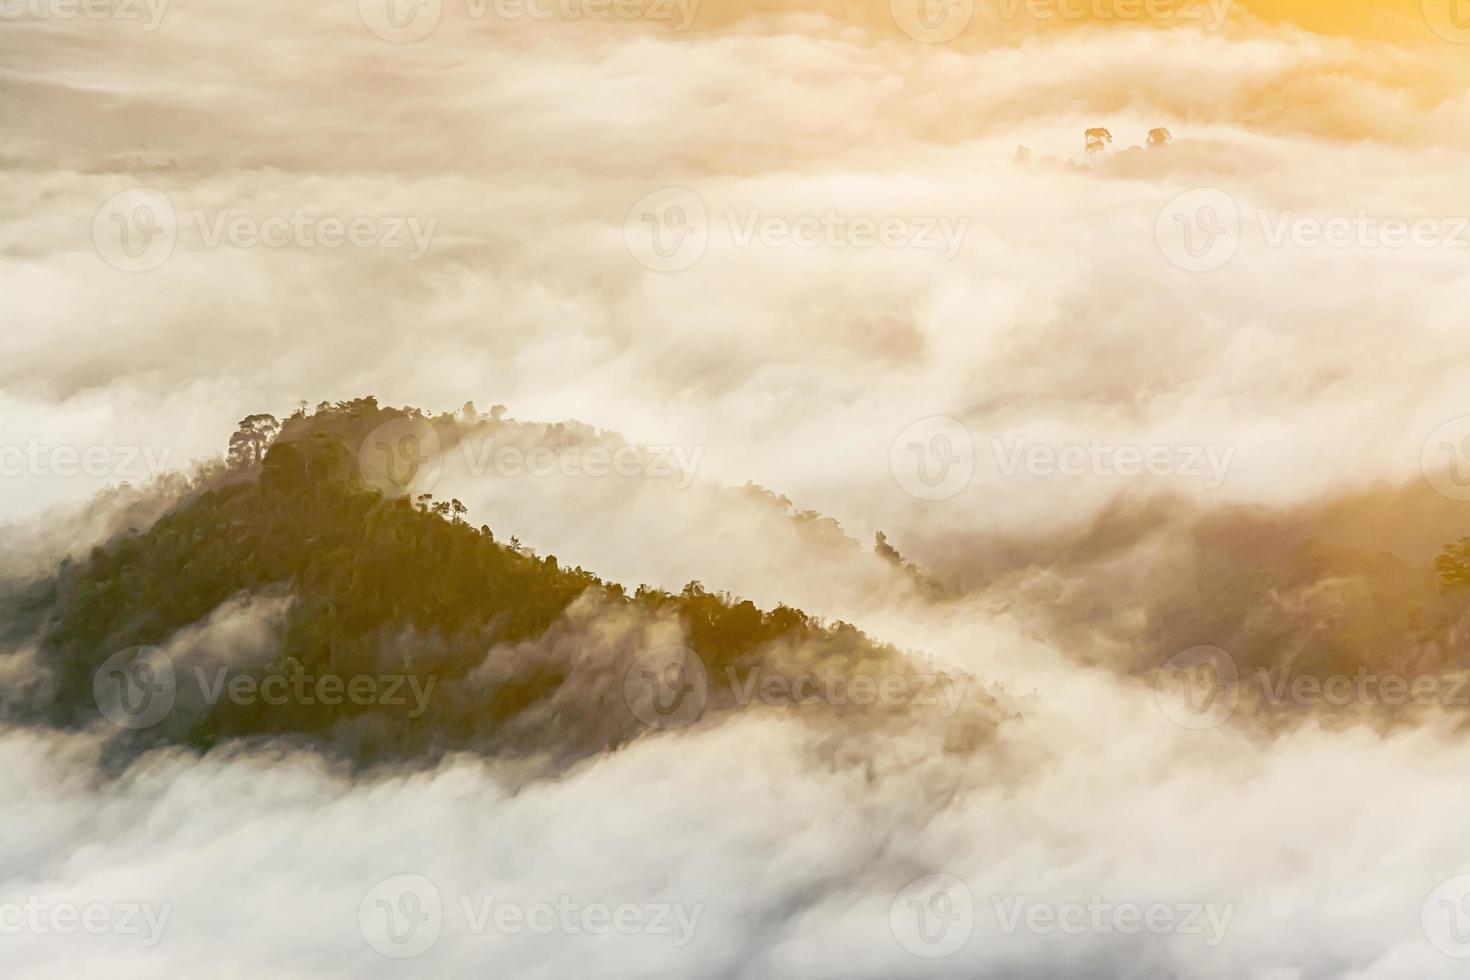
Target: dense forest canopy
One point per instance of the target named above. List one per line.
(389, 585)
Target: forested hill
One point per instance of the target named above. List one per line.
(524, 655)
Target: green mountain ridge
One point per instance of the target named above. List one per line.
(381, 585)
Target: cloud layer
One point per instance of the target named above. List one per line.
(1082, 429)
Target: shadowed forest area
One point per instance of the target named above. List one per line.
(518, 652)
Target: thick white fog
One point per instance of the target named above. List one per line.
(792, 246)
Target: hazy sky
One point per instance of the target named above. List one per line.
(492, 168)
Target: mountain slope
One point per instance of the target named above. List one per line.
(330, 578)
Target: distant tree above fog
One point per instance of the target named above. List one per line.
(252, 439)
